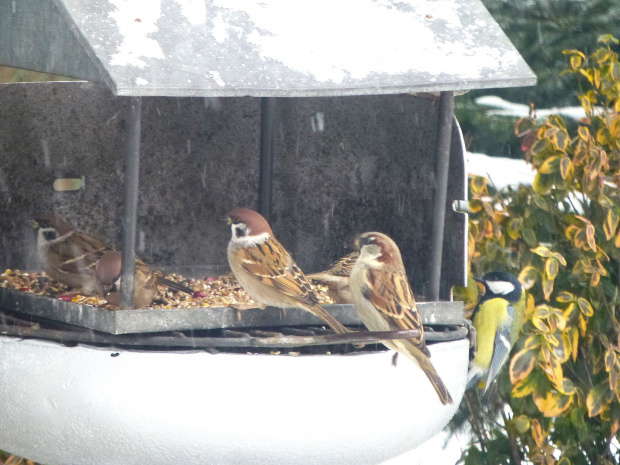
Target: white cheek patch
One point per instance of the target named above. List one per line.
(500, 287)
(249, 241)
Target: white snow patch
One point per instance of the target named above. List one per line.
(340, 48)
(217, 78)
(194, 10)
(506, 108)
(501, 171)
(136, 20)
(141, 81)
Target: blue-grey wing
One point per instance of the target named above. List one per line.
(501, 347)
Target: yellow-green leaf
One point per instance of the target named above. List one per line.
(611, 222)
(478, 185)
(565, 296)
(523, 388)
(598, 398)
(542, 251)
(553, 403)
(585, 307)
(522, 364)
(547, 285)
(551, 267)
(528, 277)
(521, 424)
(550, 165)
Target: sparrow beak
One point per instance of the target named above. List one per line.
(33, 224)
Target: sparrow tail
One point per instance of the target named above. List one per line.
(174, 285)
(432, 375)
(328, 318)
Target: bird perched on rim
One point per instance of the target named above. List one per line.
(385, 302)
(74, 258)
(266, 270)
(498, 319)
(336, 279)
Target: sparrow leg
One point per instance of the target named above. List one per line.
(395, 359)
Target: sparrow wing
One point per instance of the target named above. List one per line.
(344, 266)
(272, 264)
(78, 254)
(390, 293)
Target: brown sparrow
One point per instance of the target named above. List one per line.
(336, 279)
(266, 270)
(67, 255)
(88, 265)
(384, 301)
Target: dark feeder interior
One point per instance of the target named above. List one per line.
(323, 170)
(185, 117)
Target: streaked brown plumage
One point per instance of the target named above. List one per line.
(266, 270)
(385, 302)
(336, 279)
(88, 265)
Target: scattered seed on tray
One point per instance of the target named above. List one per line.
(223, 291)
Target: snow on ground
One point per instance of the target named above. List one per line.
(501, 171)
(506, 108)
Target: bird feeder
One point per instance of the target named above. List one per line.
(325, 117)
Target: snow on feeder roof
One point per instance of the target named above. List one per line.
(263, 48)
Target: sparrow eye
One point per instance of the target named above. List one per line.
(367, 240)
(49, 235)
(241, 231)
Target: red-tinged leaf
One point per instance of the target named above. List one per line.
(537, 433)
(590, 236)
(584, 133)
(566, 168)
(522, 364)
(595, 279)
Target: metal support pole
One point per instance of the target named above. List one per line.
(266, 156)
(446, 106)
(130, 202)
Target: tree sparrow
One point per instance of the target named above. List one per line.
(266, 270)
(384, 301)
(90, 266)
(336, 279)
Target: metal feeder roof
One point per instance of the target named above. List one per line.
(263, 47)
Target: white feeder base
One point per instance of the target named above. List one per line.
(86, 405)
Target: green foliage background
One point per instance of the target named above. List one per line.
(561, 403)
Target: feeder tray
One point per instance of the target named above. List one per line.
(180, 319)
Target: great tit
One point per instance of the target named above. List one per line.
(498, 319)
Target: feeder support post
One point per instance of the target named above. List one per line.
(130, 202)
(446, 106)
(265, 177)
